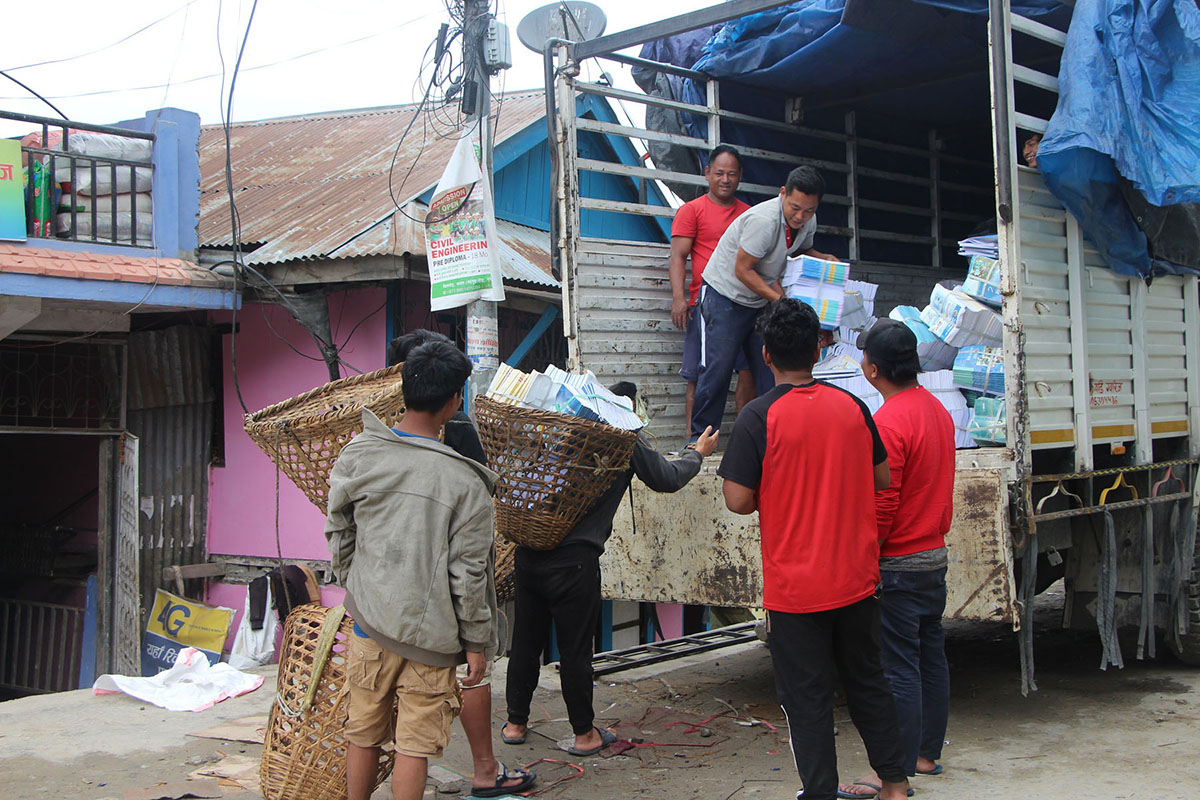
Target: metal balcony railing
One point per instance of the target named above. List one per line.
(87, 183)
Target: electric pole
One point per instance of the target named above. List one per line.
(483, 331)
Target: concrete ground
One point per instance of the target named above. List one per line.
(1128, 733)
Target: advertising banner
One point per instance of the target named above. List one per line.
(460, 234)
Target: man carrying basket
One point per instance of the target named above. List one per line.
(562, 586)
(410, 530)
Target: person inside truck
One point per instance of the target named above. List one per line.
(913, 515)
(808, 458)
(741, 278)
(562, 586)
(697, 229)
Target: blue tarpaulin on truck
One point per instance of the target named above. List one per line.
(1130, 76)
(1129, 105)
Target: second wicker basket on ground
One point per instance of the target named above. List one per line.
(552, 467)
(304, 755)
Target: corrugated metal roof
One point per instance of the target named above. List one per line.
(524, 251)
(311, 186)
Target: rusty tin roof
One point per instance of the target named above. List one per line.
(316, 186)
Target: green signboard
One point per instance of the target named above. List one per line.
(12, 197)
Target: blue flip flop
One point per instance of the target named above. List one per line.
(937, 770)
(607, 737)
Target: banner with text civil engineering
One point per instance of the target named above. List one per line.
(460, 234)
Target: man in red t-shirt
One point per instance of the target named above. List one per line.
(807, 457)
(913, 516)
(697, 228)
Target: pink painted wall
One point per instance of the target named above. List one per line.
(242, 493)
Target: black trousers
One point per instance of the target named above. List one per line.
(805, 649)
(563, 587)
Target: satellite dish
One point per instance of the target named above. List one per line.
(573, 20)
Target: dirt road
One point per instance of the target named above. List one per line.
(1129, 733)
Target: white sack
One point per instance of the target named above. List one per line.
(191, 685)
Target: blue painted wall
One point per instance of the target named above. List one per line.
(176, 179)
(522, 165)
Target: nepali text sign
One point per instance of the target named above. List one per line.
(12, 195)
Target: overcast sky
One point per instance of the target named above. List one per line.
(302, 56)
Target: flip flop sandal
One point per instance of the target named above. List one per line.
(876, 787)
(937, 770)
(607, 737)
(513, 739)
(499, 789)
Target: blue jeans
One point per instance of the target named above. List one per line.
(913, 649)
(727, 329)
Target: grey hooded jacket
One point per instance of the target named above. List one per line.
(411, 537)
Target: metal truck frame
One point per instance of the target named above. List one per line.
(1101, 371)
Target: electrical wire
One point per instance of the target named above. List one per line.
(109, 46)
(210, 76)
(35, 94)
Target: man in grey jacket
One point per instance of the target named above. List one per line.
(411, 535)
(563, 586)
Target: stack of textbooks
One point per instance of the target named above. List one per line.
(564, 393)
(819, 283)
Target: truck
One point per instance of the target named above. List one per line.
(1095, 483)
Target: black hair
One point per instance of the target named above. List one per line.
(896, 373)
(789, 329)
(624, 389)
(722, 149)
(399, 348)
(805, 179)
(433, 373)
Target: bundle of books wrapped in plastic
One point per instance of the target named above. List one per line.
(819, 283)
(559, 391)
(959, 336)
(841, 365)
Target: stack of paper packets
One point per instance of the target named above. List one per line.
(959, 319)
(819, 283)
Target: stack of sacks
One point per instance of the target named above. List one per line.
(983, 280)
(934, 353)
(128, 193)
(858, 313)
(987, 421)
(819, 283)
(980, 368)
(959, 319)
(941, 385)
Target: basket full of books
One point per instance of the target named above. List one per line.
(558, 442)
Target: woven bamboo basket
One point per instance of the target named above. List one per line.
(305, 435)
(506, 565)
(552, 467)
(304, 755)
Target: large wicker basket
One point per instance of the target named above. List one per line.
(552, 467)
(506, 565)
(305, 435)
(304, 755)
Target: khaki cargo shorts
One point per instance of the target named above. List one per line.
(426, 700)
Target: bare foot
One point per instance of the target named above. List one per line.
(927, 766)
(512, 730)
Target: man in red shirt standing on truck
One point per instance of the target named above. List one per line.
(698, 226)
(913, 515)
